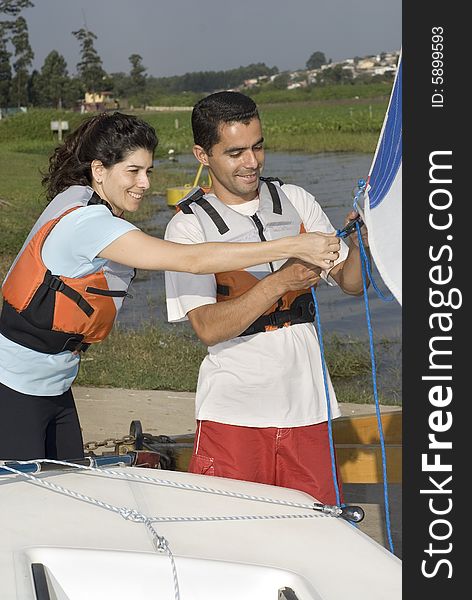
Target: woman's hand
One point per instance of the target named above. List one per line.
(317, 248)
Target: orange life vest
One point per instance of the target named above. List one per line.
(50, 313)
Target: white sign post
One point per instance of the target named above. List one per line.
(59, 126)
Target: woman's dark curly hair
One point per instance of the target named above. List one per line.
(108, 137)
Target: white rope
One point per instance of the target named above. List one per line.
(234, 518)
(160, 543)
(178, 485)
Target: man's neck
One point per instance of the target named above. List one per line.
(229, 198)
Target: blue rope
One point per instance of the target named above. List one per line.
(365, 261)
(365, 268)
(361, 187)
(328, 403)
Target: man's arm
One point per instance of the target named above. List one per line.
(216, 323)
(348, 274)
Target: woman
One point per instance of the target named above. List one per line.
(66, 285)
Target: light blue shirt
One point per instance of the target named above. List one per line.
(71, 250)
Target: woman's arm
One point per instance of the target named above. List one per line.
(142, 251)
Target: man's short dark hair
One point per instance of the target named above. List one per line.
(214, 110)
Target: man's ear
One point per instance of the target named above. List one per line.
(97, 169)
(201, 155)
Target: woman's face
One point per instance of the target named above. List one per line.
(123, 185)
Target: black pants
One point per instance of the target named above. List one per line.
(38, 426)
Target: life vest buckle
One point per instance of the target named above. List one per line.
(81, 347)
(56, 284)
(279, 318)
(302, 310)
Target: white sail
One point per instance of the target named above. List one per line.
(383, 199)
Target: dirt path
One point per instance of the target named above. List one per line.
(108, 412)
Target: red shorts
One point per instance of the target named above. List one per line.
(297, 457)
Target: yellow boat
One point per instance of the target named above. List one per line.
(175, 194)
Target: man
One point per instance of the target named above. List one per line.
(260, 402)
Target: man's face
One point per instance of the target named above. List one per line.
(235, 162)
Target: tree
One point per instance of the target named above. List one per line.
(53, 80)
(23, 60)
(316, 60)
(281, 81)
(14, 7)
(5, 68)
(90, 68)
(33, 88)
(121, 85)
(73, 92)
(336, 75)
(137, 73)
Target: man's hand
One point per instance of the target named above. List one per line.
(215, 323)
(317, 248)
(296, 275)
(353, 237)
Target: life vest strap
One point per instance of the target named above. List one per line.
(109, 293)
(198, 197)
(277, 205)
(57, 285)
(18, 329)
(302, 310)
(214, 215)
(222, 290)
(95, 199)
(184, 205)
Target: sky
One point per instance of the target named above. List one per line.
(180, 36)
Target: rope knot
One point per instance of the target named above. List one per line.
(163, 544)
(132, 515)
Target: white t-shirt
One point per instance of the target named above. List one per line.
(71, 250)
(271, 379)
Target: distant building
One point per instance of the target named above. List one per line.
(250, 83)
(98, 101)
(365, 63)
(297, 84)
(12, 110)
(381, 64)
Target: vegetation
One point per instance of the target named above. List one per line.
(323, 127)
(153, 358)
(316, 60)
(89, 69)
(207, 81)
(148, 358)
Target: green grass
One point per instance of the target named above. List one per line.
(148, 359)
(21, 189)
(157, 359)
(347, 357)
(331, 93)
(269, 95)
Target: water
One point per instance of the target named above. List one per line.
(330, 177)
